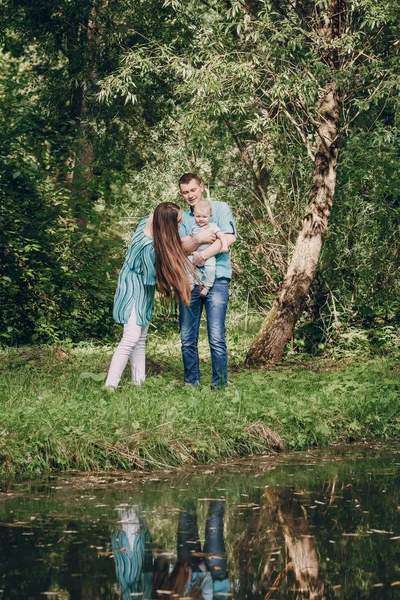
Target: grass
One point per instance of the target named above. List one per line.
(55, 414)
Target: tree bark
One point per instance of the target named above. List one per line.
(81, 59)
(279, 324)
(84, 152)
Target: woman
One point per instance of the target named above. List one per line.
(154, 257)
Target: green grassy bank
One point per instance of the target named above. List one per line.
(54, 413)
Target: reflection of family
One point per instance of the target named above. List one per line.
(158, 255)
(197, 573)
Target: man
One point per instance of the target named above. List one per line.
(216, 301)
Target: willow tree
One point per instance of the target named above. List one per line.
(357, 53)
(278, 327)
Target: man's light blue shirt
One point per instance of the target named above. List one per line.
(222, 216)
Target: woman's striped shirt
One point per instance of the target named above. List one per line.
(137, 280)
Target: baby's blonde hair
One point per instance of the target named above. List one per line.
(203, 203)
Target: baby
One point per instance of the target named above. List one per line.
(202, 214)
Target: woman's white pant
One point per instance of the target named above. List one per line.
(132, 348)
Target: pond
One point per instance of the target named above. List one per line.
(312, 525)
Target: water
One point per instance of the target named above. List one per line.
(306, 526)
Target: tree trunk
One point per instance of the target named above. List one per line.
(82, 71)
(84, 154)
(300, 546)
(278, 326)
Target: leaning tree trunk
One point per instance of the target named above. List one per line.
(278, 326)
(301, 550)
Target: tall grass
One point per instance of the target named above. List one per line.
(55, 415)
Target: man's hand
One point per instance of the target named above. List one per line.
(197, 260)
(205, 236)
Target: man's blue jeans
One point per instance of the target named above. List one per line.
(216, 303)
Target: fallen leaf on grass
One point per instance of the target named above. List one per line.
(94, 376)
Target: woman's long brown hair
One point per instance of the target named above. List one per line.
(168, 585)
(172, 264)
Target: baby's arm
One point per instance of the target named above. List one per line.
(213, 249)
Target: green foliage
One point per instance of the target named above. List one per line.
(358, 280)
(54, 282)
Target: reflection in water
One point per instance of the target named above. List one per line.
(291, 527)
(132, 555)
(198, 573)
(302, 559)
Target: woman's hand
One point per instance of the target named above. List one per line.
(197, 260)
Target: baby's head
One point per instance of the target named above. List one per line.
(202, 212)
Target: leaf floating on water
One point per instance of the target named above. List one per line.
(381, 531)
(207, 499)
(70, 531)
